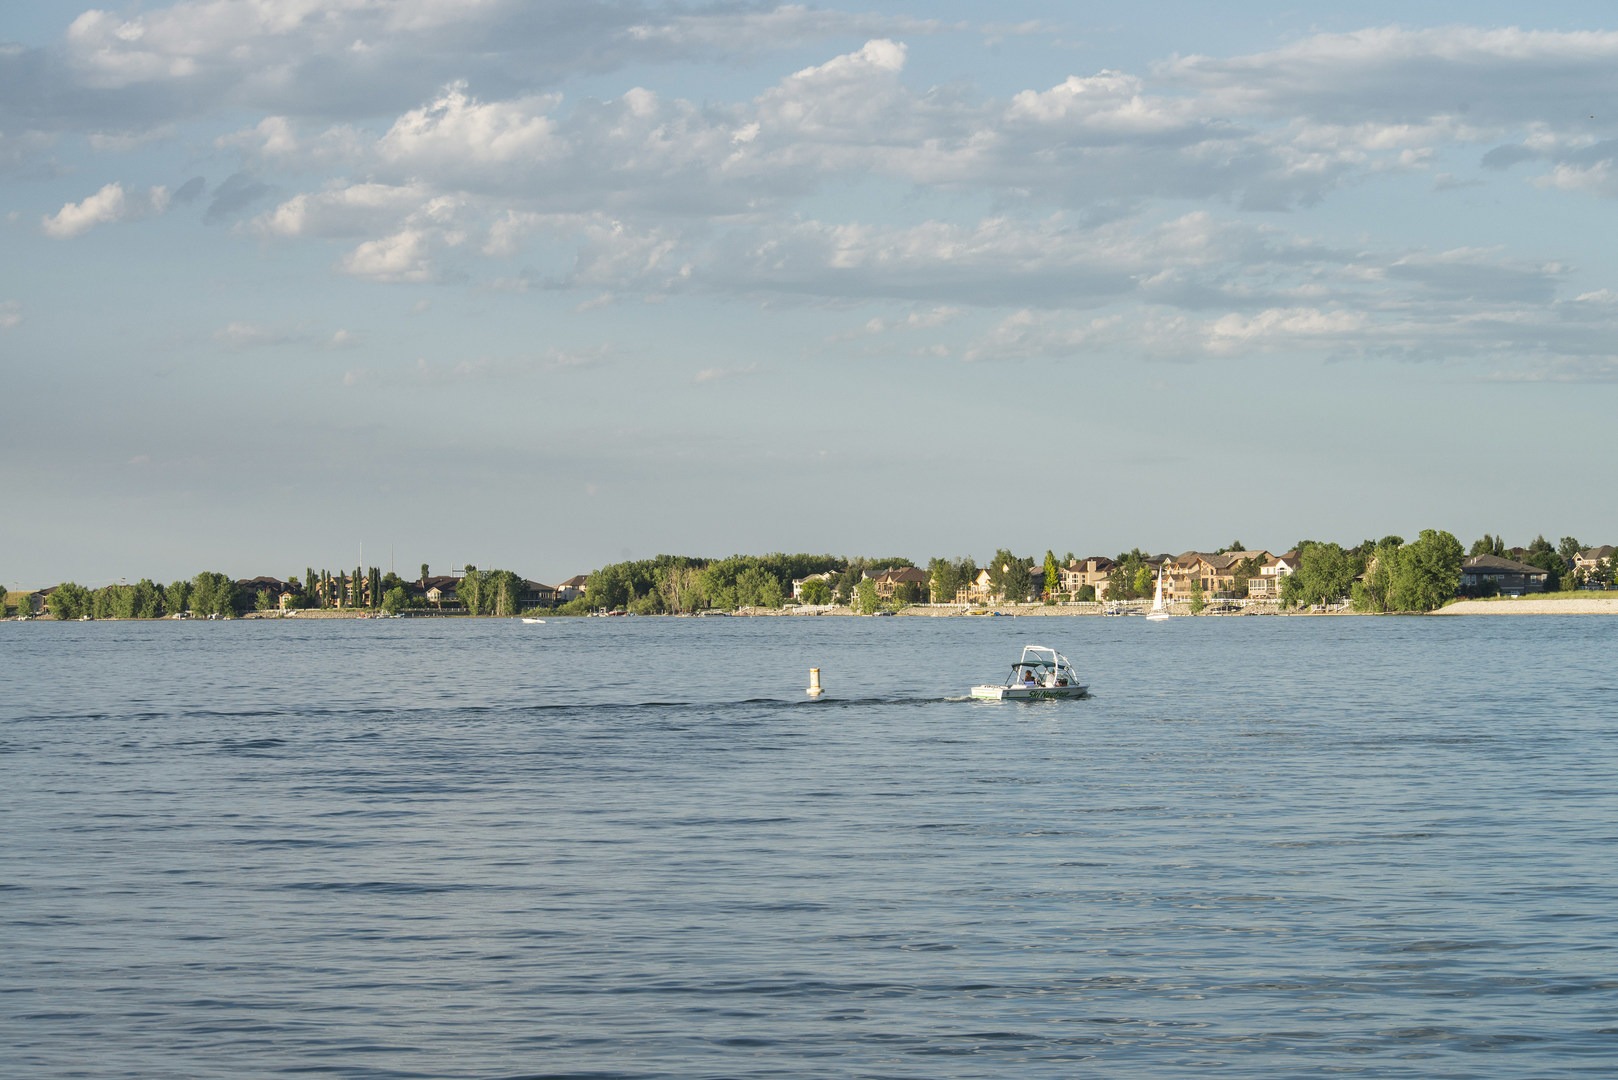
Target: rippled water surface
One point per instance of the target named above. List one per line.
(633, 847)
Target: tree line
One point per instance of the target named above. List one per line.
(1373, 576)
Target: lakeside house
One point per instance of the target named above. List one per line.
(533, 594)
(1591, 559)
(572, 588)
(888, 582)
(1483, 574)
(829, 577)
(439, 591)
(1092, 571)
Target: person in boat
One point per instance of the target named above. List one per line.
(1028, 676)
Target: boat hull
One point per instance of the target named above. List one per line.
(1033, 693)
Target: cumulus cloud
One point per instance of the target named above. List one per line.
(10, 315)
(110, 204)
(402, 257)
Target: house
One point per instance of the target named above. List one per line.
(1092, 571)
(532, 594)
(889, 581)
(572, 588)
(980, 590)
(829, 577)
(1590, 559)
(284, 593)
(439, 591)
(1487, 574)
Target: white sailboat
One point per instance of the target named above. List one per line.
(1158, 610)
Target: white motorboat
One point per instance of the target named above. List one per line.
(527, 619)
(1041, 675)
(1158, 611)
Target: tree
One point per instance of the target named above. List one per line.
(1569, 549)
(1488, 545)
(1198, 598)
(865, 599)
(177, 598)
(68, 601)
(1373, 592)
(470, 590)
(816, 592)
(395, 600)
(424, 573)
(1428, 572)
(1053, 575)
(1541, 554)
(1325, 575)
(213, 594)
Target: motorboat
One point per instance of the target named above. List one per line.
(1041, 675)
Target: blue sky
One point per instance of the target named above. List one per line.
(545, 285)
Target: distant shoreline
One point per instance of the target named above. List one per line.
(1593, 605)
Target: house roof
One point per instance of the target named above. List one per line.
(901, 574)
(577, 581)
(1500, 566)
(1595, 554)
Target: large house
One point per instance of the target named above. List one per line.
(889, 581)
(533, 595)
(1590, 559)
(572, 588)
(1092, 571)
(1483, 574)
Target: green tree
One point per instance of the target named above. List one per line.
(865, 599)
(1325, 575)
(1373, 593)
(1053, 574)
(1569, 548)
(816, 592)
(1428, 573)
(1541, 554)
(213, 594)
(424, 574)
(1488, 545)
(502, 588)
(1009, 576)
(469, 590)
(177, 598)
(1199, 599)
(395, 600)
(68, 601)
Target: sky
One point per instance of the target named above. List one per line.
(542, 286)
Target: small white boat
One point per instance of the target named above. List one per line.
(1041, 675)
(1158, 611)
(526, 619)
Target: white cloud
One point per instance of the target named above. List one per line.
(108, 205)
(10, 315)
(456, 131)
(346, 210)
(402, 257)
(715, 374)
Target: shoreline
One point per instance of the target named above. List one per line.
(1594, 605)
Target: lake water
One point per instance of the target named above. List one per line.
(1264, 847)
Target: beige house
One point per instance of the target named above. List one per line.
(1092, 571)
(977, 591)
(889, 581)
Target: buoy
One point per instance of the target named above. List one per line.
(814, 682)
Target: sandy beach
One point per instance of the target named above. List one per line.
(1593, 605)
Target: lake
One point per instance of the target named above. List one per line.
(1263, 847)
